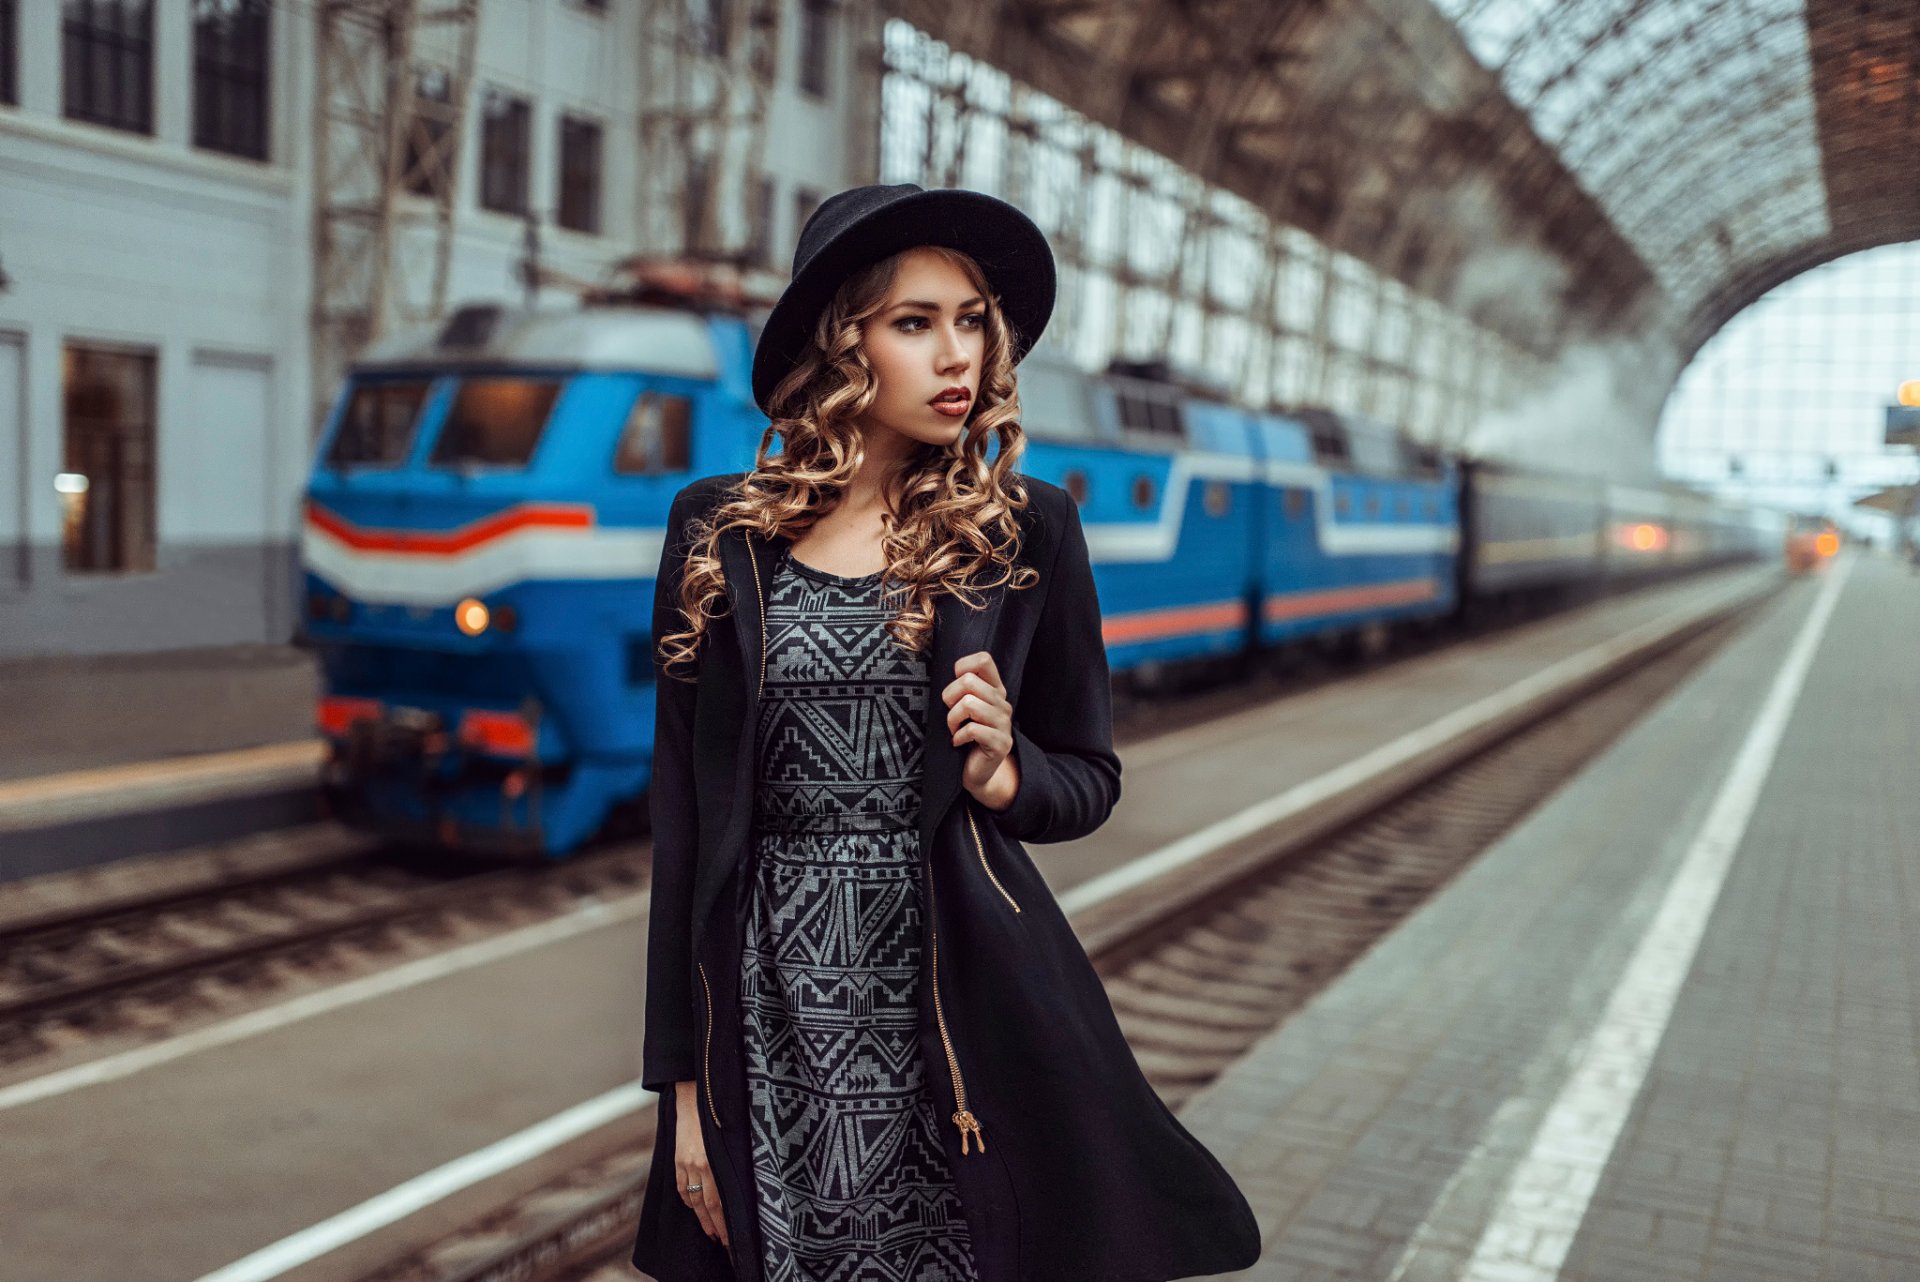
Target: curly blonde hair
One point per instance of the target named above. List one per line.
(952, 517)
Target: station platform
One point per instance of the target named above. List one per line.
(1667, 1028)
(108, 757)
(334, 1131)
(75, 714)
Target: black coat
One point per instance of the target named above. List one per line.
(1079, 1171)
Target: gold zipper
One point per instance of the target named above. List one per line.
(963, 1117)
(983, 860)
(706, 1054)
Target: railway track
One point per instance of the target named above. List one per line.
(151, 963)
(1193, 989)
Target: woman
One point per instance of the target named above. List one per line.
(880, 1050)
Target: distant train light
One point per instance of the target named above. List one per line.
(1910, 392)
(1828, 544)
(1646, 538)
(472, 616)
(71, 483)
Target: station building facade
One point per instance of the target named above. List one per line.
(158, 213)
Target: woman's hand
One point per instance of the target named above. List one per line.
(978, 713)
(690, 1163)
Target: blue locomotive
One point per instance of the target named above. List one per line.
(485, 513)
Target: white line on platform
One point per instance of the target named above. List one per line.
(407, 975)
(1302, 797)
(1529, 1234)
(397, 1203)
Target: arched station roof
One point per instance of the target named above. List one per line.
(1669, 160)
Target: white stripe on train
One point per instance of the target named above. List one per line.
(613, 552)
(532, 552)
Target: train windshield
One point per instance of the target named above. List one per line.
(378, 425)
(496, 421)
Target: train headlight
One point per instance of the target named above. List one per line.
(472, 616)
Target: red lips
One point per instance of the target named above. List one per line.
(952, 396)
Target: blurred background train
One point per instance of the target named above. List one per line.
(1811, 542)
(484, 517)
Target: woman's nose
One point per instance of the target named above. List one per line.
(953, 352)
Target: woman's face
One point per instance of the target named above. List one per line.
(929, 336)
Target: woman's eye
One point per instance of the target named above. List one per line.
(981, 317)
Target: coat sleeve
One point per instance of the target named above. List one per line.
(1063, 723)
(669, 1051)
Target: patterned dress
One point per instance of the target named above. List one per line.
(851, 1181)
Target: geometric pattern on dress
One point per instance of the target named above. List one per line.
(851, 1181)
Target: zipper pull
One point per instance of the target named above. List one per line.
(966, 1121)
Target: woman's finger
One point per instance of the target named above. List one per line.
(978, 684)
(998, 743)
(975, 707)
(714, 1214)
(980, 661)
(691, 1173)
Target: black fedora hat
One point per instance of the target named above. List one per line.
(862, 225)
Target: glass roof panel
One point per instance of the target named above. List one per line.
(1691, 122)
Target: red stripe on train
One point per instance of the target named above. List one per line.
(554, 516)
(1216, 616)
(1297, 605)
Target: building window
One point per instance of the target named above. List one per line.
(106, 489)
(712, 16)
(693, 204)
(9, 52)
(429, 157)
(759, 249)
(816, 44)
(505, 134)
(230, 76)
(107, 62)
(805, 201)
(579, 174)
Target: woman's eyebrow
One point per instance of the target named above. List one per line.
(932, 307)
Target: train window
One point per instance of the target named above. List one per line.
(1343, 503)
(1373, 504)
(496, 420)
(1218, 498)
(1151, 411)
(1329, 435)
(378, 424)
(1143, 492)
(1296, 504)
(1075, 483)
(658, 436)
